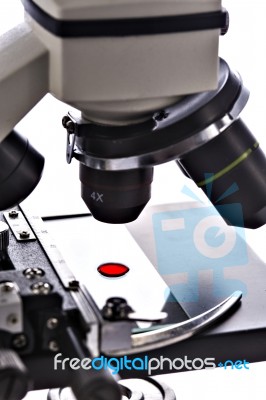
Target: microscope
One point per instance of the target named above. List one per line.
(150, 88)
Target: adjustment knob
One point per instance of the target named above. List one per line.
(4, 236)
(14, 379)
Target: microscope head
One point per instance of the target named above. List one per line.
(118, 62)
(121, 65)
(150, 88)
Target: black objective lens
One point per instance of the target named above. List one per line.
(21, 168)
(231, 169)
(116, 196)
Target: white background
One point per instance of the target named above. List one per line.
(244, 49)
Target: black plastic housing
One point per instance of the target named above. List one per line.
(21, 169)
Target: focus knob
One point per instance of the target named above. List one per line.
(14, 379)
(4, 236)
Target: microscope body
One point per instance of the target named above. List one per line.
(120, 66)
(150, 88)
(122, 70)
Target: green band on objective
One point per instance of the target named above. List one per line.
(229, 167)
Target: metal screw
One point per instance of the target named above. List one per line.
(52, 323)
(53, 345)
(41, 288)
(161, 116)
(19, 341)
(65, 120)
(7, 287)
(32, 273)
(13, 214)
(24, 234)
(12, 319)
(116, 308)
(70, 126)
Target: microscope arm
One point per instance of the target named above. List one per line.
(23, 75)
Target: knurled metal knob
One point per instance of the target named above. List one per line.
(4, 236)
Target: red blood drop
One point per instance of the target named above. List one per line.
(112, 270)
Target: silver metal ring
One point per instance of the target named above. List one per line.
(157, 157)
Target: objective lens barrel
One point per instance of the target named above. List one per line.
(21, 168)
(116, 196)
(231, 169)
